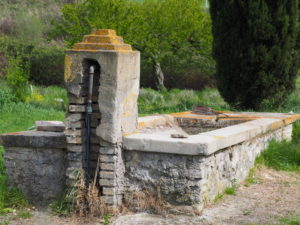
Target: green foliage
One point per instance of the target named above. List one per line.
(42, 64)
(47, 65)
(290, 104)
(4, 223)
(175, 100)
(17, 78)
(24, 215)
(21, 116)
(18, 116)
(66, 204)
(251, 179)
(231, 190)
(61, 207)
(48, 97)
(175, 34)
(219, 197)
(254, 48)
(292, 220)
(106, 219)
(283, 155)
(5, 95)
(16, 48)
(28, 20)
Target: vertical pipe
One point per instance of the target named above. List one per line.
(89, 112)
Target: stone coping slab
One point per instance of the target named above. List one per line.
(204, 143)
(52, 126)
(34, 139)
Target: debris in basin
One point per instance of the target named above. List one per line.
(179, 136)
(206, 111)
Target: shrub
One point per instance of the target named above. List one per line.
(47, 65)
(5, 95)
(254, 48)
(17, 78)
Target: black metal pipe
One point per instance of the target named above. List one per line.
(89, 112)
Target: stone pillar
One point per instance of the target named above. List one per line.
(115, 95)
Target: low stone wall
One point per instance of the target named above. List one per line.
(186, 180)
(35, 162)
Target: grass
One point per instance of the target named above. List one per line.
(176, 100)
(292, 220)
(24, 215)
(232, 189)
(41, 104)
(219, 197)
(106, 219)
(283, 155)
(252, 179)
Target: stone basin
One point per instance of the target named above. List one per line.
(194, 169)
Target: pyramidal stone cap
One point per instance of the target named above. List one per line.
(103, 39)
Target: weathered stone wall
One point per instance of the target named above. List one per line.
(115, 100)
(35, 162)
(192, 180)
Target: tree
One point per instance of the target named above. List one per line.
(157, 28)
(254, 48)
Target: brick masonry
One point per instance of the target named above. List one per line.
(116, 88)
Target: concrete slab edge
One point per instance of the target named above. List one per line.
(205, 143)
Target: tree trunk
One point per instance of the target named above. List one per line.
(158, 75)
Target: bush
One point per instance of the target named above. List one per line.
(47, 66)
(44, 64)
(17, 78)
(254, 48)
(5, 95)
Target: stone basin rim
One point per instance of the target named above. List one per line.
(205, 143)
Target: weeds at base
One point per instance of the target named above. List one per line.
(84, 200)
(219, 197)
(231, 190)
(291, 220)
(252, 179)
(146, 200)
(4, 223)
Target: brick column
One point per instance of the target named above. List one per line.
(116, 87)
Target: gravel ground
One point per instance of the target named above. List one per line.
(275, 194)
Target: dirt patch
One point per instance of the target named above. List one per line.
(44, 217)
(275, 194)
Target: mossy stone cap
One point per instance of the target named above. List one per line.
(102, 39)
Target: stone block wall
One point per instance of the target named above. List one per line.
(192, 180)
(35, 163)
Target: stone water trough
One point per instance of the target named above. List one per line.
(193, 157)
(186, 159)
